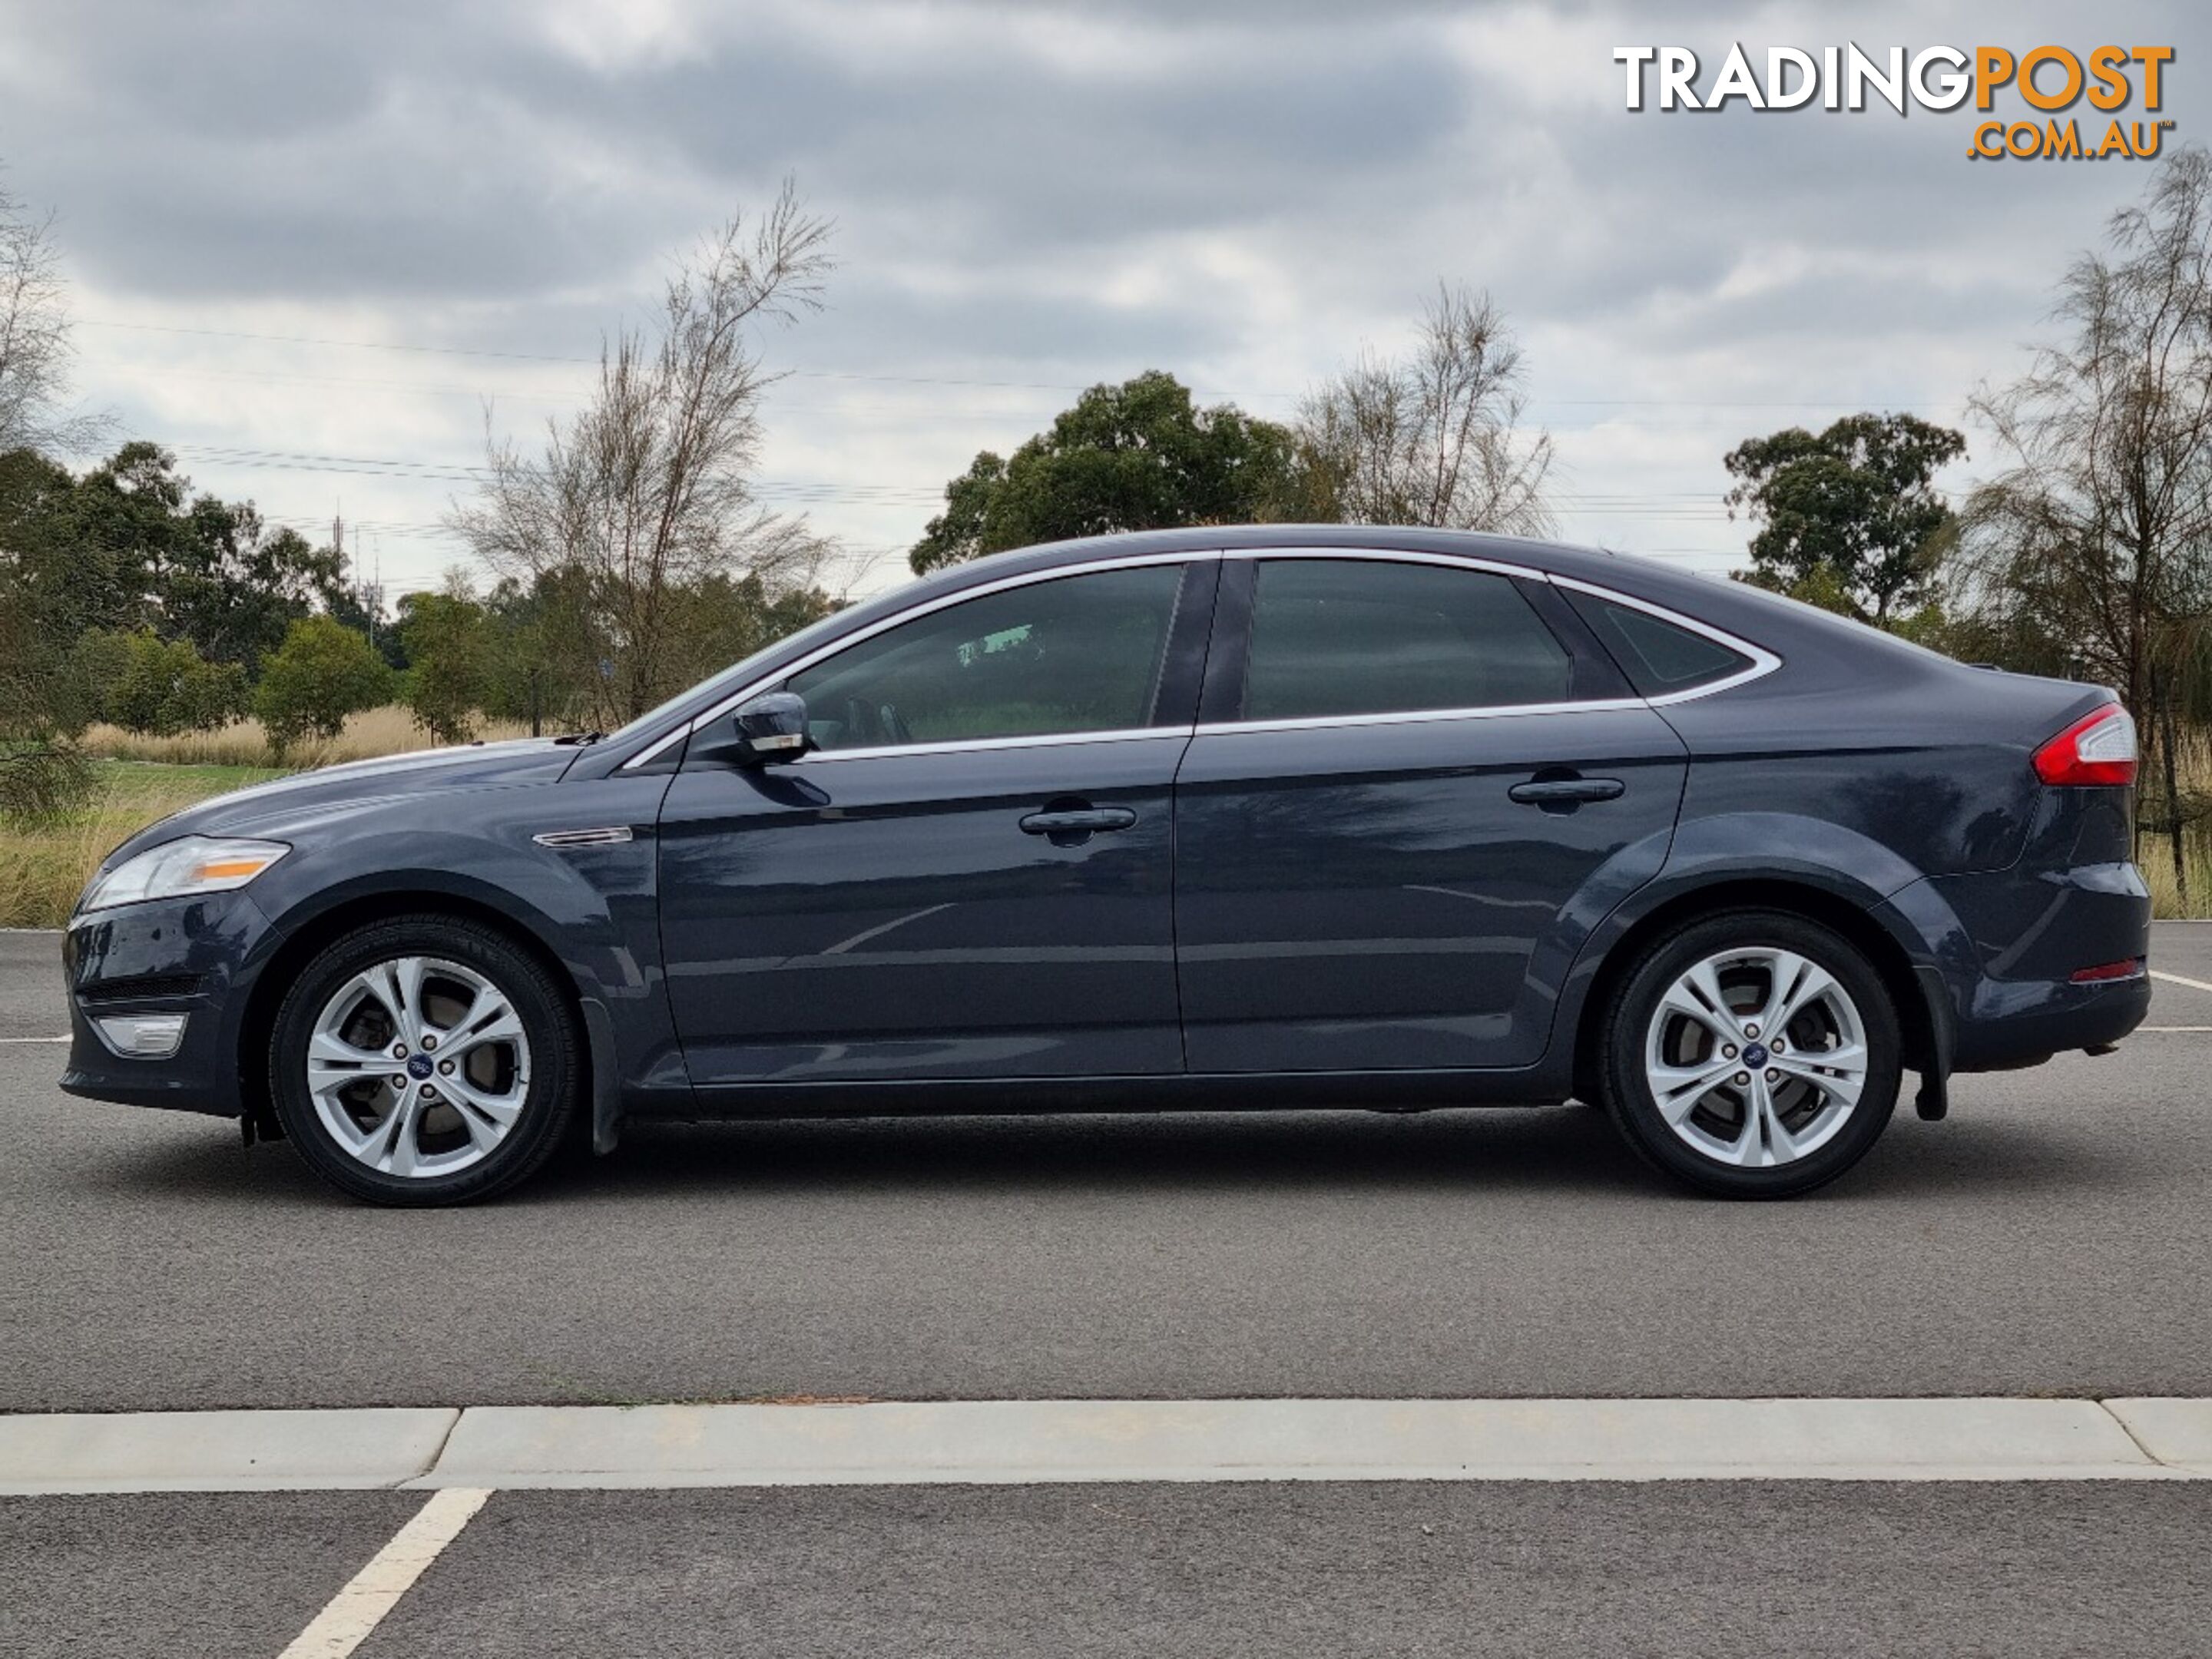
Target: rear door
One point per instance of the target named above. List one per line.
(1415, 785)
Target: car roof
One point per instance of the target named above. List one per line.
(1142, 543)
(1639, 577)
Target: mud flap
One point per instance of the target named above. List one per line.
(1933, 1102)
(606, 1084)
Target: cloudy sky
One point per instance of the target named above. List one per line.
(309, 244)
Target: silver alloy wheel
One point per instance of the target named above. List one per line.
(418, 1066)
(1756, 1057)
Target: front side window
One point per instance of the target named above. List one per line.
(1367, 636)
(1069, 654)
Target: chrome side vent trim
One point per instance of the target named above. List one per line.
(612, 836)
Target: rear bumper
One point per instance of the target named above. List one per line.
(2028, 1023)
(2004, 946)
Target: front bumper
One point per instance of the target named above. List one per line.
(193, 956)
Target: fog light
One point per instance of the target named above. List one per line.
(142, 1036)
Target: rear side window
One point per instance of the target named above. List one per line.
(1657, 656)
(1365, 636)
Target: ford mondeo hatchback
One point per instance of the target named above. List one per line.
(1274, 816)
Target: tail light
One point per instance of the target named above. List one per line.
(2099, 748)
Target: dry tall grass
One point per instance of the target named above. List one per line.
(42, 871)
(388, 731)
(2154, 850)
(143, 779)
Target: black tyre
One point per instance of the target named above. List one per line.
(422, 1061)
(1704, 1084)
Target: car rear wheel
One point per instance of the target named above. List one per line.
(1752, 1055)
(424, 1061)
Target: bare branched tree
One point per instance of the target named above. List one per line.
(34, 336)
(2098, 537)
(1434, 437)
(647, 494)
(41, 770)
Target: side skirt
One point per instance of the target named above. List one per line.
(1396, 1090)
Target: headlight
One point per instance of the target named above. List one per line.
(177, 869)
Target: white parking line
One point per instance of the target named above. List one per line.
(357, 1609)
(2181, 979)
(59, 1039)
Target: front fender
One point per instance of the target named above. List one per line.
(593, 908)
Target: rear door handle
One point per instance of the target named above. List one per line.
(1569, 793)
(1068, 826)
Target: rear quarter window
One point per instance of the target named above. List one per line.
(1658, 656)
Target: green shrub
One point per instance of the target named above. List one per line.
(161, 688)
(323, 673)
(449, 662)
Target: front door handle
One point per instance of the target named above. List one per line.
(1071, 826)
(1565, 794)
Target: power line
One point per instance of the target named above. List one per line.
(1665, 504)
(1860, 402)
(549, 357)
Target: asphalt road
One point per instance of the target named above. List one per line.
(2051, 1238)
(1708, 1570)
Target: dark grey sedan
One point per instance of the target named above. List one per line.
(1281, 816)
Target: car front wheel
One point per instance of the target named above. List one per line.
(426, 1060)
(1752, 1055)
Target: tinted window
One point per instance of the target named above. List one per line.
(1365, 636)
(1078, 653)
(1656, 655)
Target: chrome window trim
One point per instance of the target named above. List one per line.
(970, 745)
(846, 641)
(1422, 716)
(1762, 661)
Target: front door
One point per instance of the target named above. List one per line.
(1421, 799)
(970, 876)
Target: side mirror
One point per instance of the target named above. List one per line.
(771, 727)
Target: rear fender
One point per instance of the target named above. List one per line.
(1833, 874)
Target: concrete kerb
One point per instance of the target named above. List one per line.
(1003, 1442)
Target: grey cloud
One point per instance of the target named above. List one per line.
(1301, 172)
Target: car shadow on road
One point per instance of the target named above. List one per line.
(1489, 1151)
(1529, 1149)
(1497, 1151)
